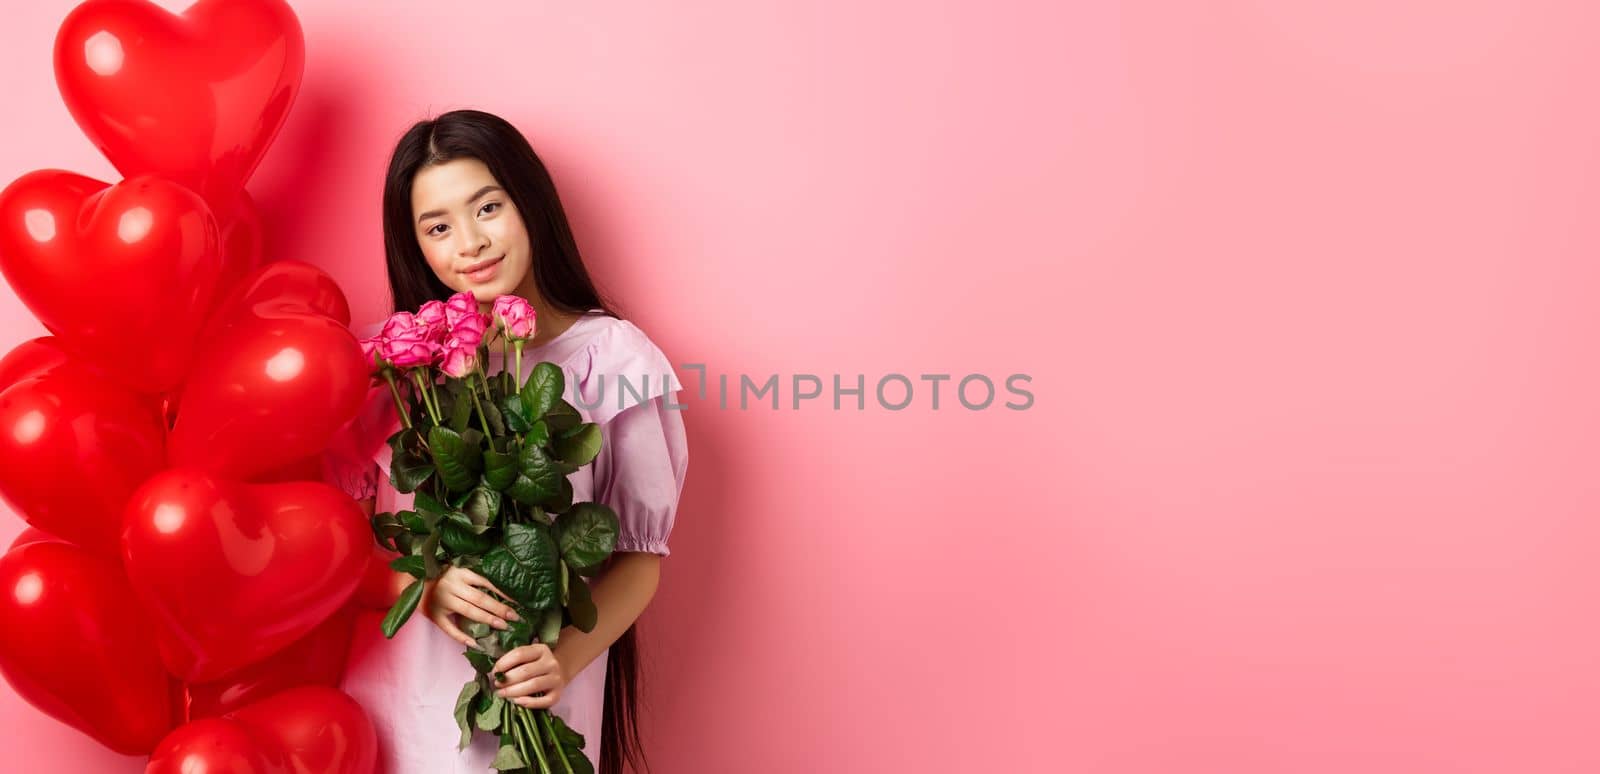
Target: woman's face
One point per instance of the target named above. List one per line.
(470, 232)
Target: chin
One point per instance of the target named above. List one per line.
(486, 294)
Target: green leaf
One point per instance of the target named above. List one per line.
(457, 460)
(461, 539)
(480, 661)
(508, 759)
(403, 608)
(569, 738)
(408, 472)
(476, 630)
(460, 412)
(538, 477)
(410, 565)
(515, 414)
(463, 709)
(588, 534)
(429, 551)
(534, 546)
(507, 574)
(561, 500)
(525, 566)
(518, 632)
(386, 527)
(543, 389)
(550, 626)
(562, 417)
(415, 522)
(580, 446)
(538, 434)
(580, 604)
(405, 441)
(427, 506)
(489, 716)
(483, 507)
(491, 412)
(570, 743)
(499, 469)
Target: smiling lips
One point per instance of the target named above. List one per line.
(483, 271)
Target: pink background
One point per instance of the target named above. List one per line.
(1306, 291)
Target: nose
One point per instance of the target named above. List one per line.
(471, 242)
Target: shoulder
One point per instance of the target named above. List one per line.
(614, 335)
(619, 365)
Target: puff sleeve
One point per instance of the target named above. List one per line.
(640, 471)
(644, 453)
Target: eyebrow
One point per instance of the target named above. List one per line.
(479, 195)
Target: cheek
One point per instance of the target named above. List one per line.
(507, 233)
(438, 257)
(436, 253)
(510, 230)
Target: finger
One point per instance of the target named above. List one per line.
(523, 673)
(488, 603)
(448, 626)
(527, 654)
(472, 612)
(475, 579)
(539, 702)
(546, 683)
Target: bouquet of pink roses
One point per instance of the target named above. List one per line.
(487, 458)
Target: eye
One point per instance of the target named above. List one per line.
(431, 232)
(485, 207)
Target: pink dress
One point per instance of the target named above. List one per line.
(615, 376)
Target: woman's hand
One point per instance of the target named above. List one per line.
(456, 592)
(528, 670)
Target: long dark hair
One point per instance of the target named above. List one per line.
(562, 282)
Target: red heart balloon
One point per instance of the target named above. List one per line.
(320, 728)
(307, 730)
(216, 746)
(123, 274)
(73, 447)
(286, 286)
(269, 390)
(31, 357)
(46, 353)
(195, 98)
(78, 650)
(234, 573)
(36, 535)
(315, 659)
(303, 469)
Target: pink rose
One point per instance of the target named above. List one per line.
(460, 305)
(459, 359)
(516, 317)
(468, 331)
(406, 343)
(432, 314)
(369, 350)
(397, 322)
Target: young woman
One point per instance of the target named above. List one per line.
(468, 206)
